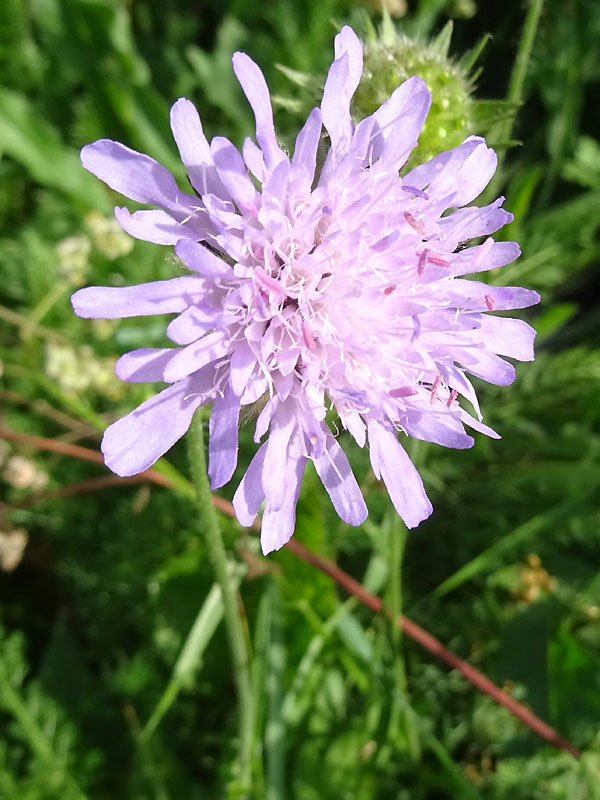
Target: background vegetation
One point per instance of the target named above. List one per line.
(100, 589)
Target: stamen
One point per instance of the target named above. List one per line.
(422, 261)
(403, 391)
(416, 192)
(490, 302)
(434, 389)
(414, 224)
(388, 289)
(438, 260)
(451, 398)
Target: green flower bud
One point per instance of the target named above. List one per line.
(390, 58)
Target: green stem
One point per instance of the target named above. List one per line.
(37, 314)
(275, 724)
(397, 543)
(149, 764)
(208, 524)
(515, 87)
(397, 539)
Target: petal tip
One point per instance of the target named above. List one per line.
(83, 302)
(425, 514)
(112, 460)
(240, 61)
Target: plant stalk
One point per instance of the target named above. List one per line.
(208, 524)
(397, 542)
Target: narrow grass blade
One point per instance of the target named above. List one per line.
(486, 560)
(201, 632)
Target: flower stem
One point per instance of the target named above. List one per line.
(397, 540)
(397, 543)
(209, 525)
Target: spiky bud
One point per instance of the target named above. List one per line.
(390, 58)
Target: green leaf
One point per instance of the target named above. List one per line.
(190, 657)
(467, 62)
(36, 144)
(584, 167)
(554, 318)
(522, 656)
(38, 723)
(489, 558)
(575, 685)
(487, 113)
(441, 43)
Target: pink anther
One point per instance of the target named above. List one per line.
(438, 260)
(422, 261)
(434, 389)
(414, 223)
(490, 302)
(452, 397)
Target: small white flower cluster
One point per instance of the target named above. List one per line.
(77, 369)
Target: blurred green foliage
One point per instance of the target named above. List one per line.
(97, 697)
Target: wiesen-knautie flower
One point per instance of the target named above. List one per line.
(336, 290)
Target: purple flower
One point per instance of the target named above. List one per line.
(340, 290)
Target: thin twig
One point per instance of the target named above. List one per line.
(353, 587)
(87, 454)
(25, 324)
(52, 445)
(41, 407)
(81, 487)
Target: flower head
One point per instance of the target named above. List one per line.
(340, 290)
